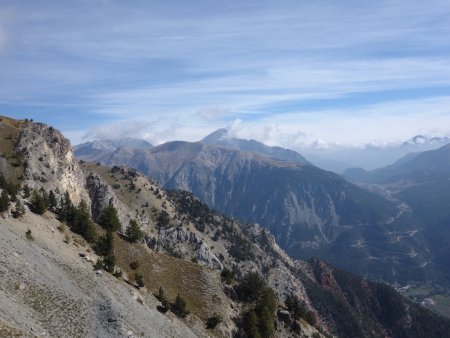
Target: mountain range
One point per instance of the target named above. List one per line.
(311, 212)
(371, 156)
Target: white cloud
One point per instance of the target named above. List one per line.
(213, 113)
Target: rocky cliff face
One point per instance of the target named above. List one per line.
(49, 161)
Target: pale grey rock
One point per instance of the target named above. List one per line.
(206, 257)
(49, 162)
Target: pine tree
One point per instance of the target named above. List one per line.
(66, 209)
(2, 181)
(251, 325)
(109, 219)
(293, 305)
(105, 244)
(265, 310)
(26, 191)
(37, 203)
(52, 203)
(12, 188)
(109, 262)
(19, 210)
(4, 201)
(251, 286)
(82, 223)
(134, 232)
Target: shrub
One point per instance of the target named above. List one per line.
(117, 273)
(163, 219)
(29, 235)
(138, 279)
(227, 275)
(161, 296)
(19, 210)
(109, 263)
(310, 318)
(179, 307)
(213, 321)
(99, 264)
(134, 265)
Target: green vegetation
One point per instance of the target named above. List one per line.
(38, 202)
(99, 264)
(134, 232)
(109, 219)
(134, 265)
(161, 296)
(138, 279)
(4, 201)
(259, 321)
(65, 211)
(109, 263)
(213, 321)
(9, 188)
(251, 286)
(297, 309)
(28, 235)
(52, 203)
(227, 275)
(179, 307)
(82, 223)
(19, 210)
(163, 219)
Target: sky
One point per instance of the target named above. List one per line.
(289, 73)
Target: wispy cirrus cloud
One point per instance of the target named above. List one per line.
(283, 67)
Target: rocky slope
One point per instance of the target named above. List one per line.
(48, 290)
(46, 280)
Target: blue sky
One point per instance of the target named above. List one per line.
(289, 73)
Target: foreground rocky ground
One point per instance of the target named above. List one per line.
(47, 289)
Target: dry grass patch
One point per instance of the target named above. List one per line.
(176, 276)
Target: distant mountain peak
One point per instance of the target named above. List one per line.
(421, 139)
(215, 136)
(221, 137)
